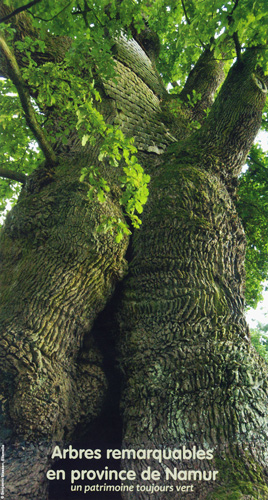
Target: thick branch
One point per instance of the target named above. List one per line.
(18, 10)
(25, 99)
(237, 47)
(14, 176)
(56, 47)
(235, 117)
(235, 34)
(234, 7)
(204, 79)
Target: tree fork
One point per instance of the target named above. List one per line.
(233, 122)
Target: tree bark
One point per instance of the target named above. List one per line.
(57, 274)
(192, 376)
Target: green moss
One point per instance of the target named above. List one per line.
(184, 192)
(242, 478)
(238, 491)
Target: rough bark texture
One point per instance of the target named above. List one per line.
(190, 375)
(205, 79)
(52, 374)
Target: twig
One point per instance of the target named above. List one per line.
(234, 7)
(84, 12)
(18, 10)
(235, 34)
(237, 47)
(30, 115)
(257, 162)
(51, 18)
(14, 176)
(185, 13)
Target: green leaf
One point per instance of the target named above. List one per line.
(101, 195)
(85, 139)
(119, 237)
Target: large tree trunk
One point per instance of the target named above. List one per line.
(57, 274)
(190, 375)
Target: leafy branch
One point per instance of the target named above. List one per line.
(54, 17)
(83, 12)
(30, 115)
(235, 34)
(115, 148)
(185, 12)
(261, 165)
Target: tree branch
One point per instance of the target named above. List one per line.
(237, 47)
(237, 108)
(18, 10)
(30, 115)
(14, 176)
(204, 79)
(83, 13)
(234, 7)
(56, 46)
(51, 18)
(256, 162)
(185, 12)
(235, 34)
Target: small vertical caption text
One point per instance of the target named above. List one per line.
(2, 472)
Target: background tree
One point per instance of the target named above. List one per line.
(92, 316)
(259, 339)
